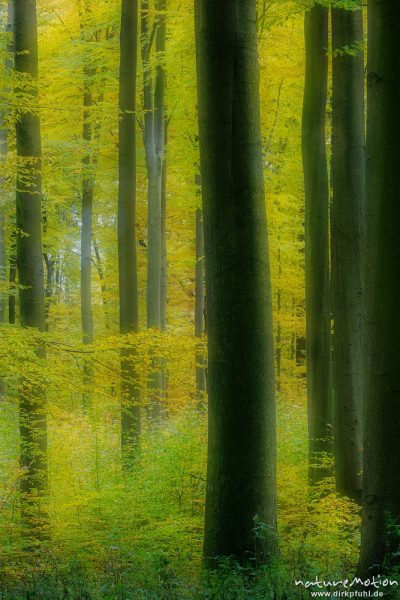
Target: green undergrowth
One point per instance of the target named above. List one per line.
(140, 535)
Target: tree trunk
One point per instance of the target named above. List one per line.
(278, 350)
(318, 317)
(87, 207)
(87, 210)
(201, 385)
(12, 276)
(3, 266)
(3, 154)
(381, 483)
(164, 275)
(164, 278)
(103, 285)
(348, 183)
(154, 142)
(128, 287)
(33, 426)
(49, 289)
(240, 518)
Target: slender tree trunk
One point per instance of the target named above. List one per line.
(154, 142)
(348, 183)
(201, 385)
(103, 285)
(240, 518)
(164, 278)
(33, 427)
(318, 317)
(12, 276)
(49, 288)
(278, 350)
(128, 287)
(87, 212)
(3, 154)
(381, 481)
(87, 206)
(164, 275)
(3, 267)
(293, 336)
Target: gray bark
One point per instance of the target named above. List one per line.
(154, 142)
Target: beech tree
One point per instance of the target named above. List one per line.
(348, 175)
(240, 496)
(128, 290)
(3, 154)
(87, 189)
(200, 306)
(381, 478)
(318, 312)
(32, 400)
(154, 144)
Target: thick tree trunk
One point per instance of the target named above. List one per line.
(128, 287)
(201, 385)
(33, 427)
(381, 483)
(240, 519)
(318, 311)
(348, 183)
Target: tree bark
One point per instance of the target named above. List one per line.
(128, 287)
(201, 385)
(318, 312)
(240, 517)
(3, 153)
(103, 285)
(32, 404)
(12, 276)
(154, 142)
(164, 273)
(348, 183)
(278, 350)
(381, 481)
(87, 204)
